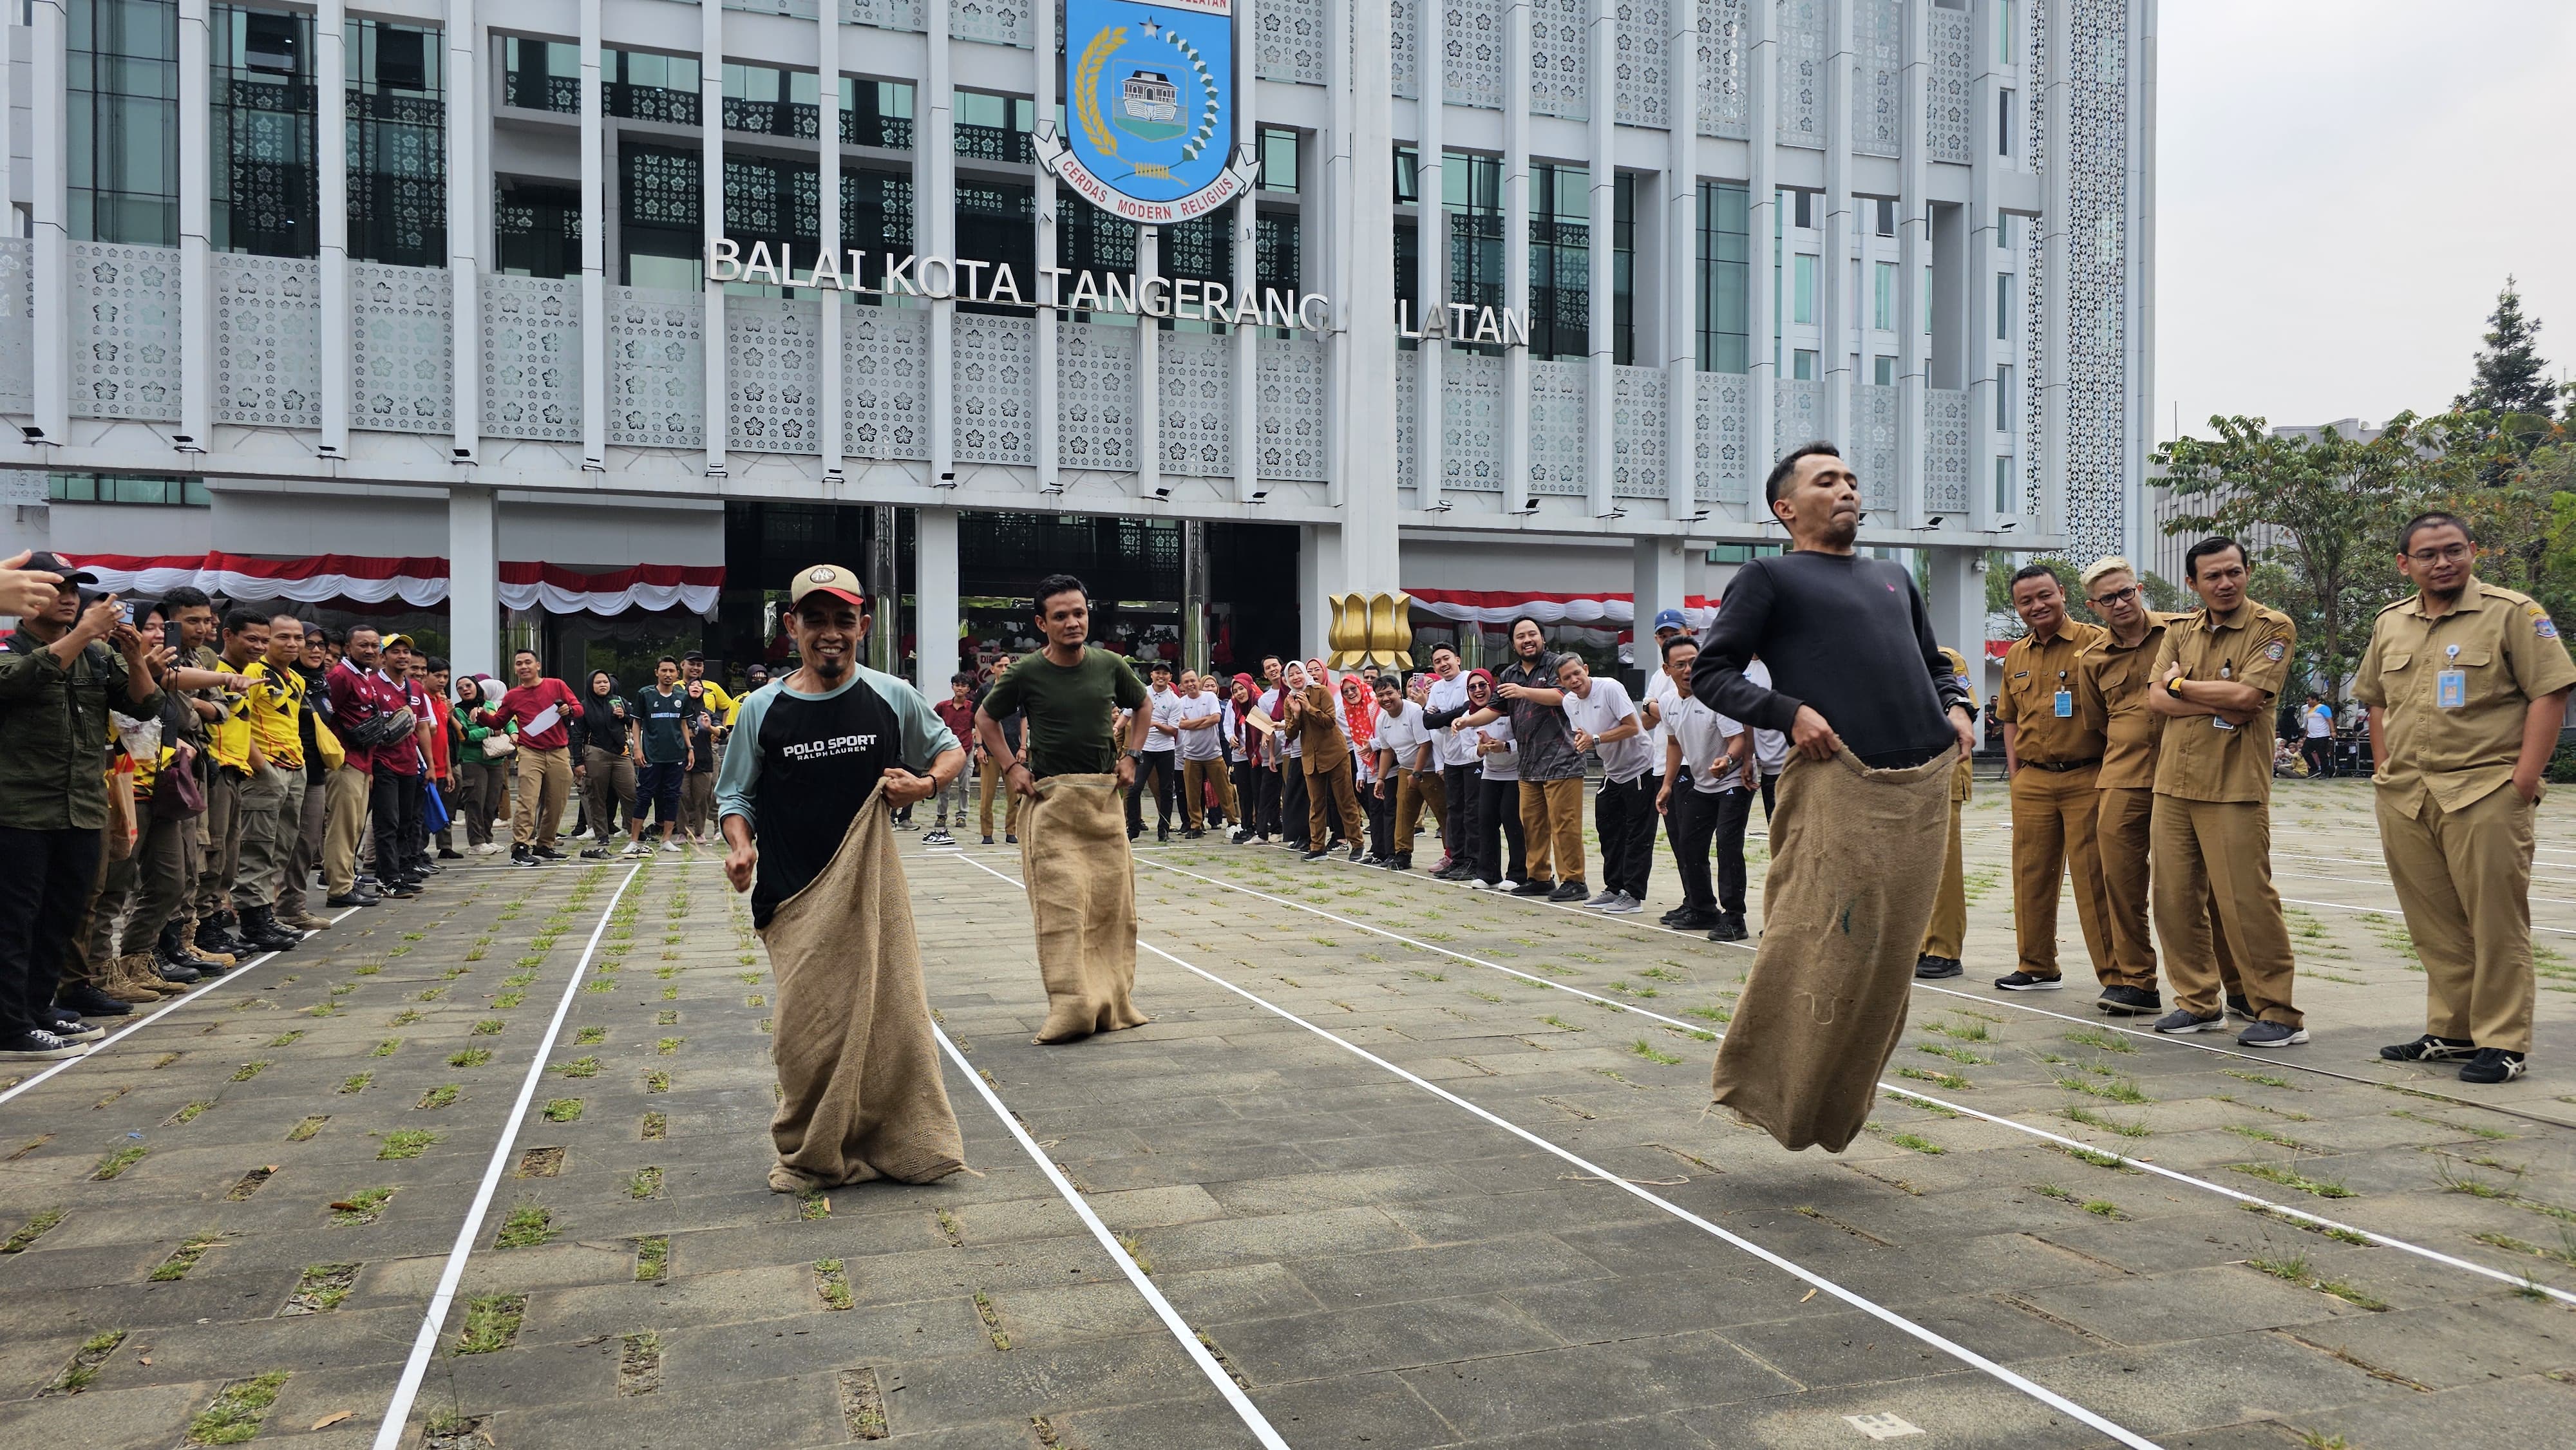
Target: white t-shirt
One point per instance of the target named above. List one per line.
(1201, 743)
(1503, 764)
(1703, 733)
(2320, 722)
(1660, 693)
(1402, 732)
(1770, 747)
(1166, 705)
(1454, 748)
(1605, 708)
(1275, 705)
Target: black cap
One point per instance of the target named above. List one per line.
(694, 657)
(47, 563)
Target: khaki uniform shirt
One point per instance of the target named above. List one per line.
(2198, 759)
(2507, 653)
(2035, 670)
(2111, 696)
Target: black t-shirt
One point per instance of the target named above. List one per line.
(819, 759)
(1846, 634)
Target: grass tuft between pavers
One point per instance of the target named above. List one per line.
(238, 1411)
(491, 1323)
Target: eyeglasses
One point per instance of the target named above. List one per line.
(2113, 597)
(2447, 554)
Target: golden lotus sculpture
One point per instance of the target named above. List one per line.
(1372, 629)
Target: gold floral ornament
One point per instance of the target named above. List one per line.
(1372, 629)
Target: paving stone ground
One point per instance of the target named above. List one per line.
(1372, 1263)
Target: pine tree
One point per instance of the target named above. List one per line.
(2510, 376)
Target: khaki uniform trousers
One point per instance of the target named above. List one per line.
(1414, 790)
(2052, 820)
(220, 852)
(343, 828)
(1329, 792)
(272, 811)
(544, 786)
(2464, 880)
(1195, 774)
(2212, 864)
(1949, 928)
(2123, 825)
(988, 779)
(1552, 824)
(305, 853)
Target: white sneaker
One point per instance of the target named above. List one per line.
(1624, 905)
(1480, 885)
(1507, 884)
(673, 847)
(636, 848)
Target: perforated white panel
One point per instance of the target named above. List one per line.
(1798, 413)
(1638, 59)
(992, 375)
(1721, 69)
(1292, 41)
(1095, 396)
(656, 369)
(771, 373)
(400, 349)
(1874, 414)
(1948, 93)
(1945, 449)
(885, 384)
(1558, 391)
(1473, 37)
(1637, 433)
(1878, 93)
(532, 358)
(1802, 72)
(17, 325)
(1195, 372)
(268, 340)
(1557, 69)
(1002, 22)
(1722, 434)
(124, 317)
(1404, 41)
(1471, 405)
(1291, 400)
(883, 14)
(1408, 411)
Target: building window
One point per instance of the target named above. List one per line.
(1408, 181)
(643, 86)
(876, 212)
(2004, 31)
(1277, 259)
(1278, 159)
(658, 215)
(997, 223)
(397, 145)
(1803, 365)
(1741, 553)
(1885, 207)
(1472, 194)
(763, 100)
(2006, 116)
(1802, 288)
(2005, 504)
(2003, 306)
(260, 134)
(1883, 371)
(109, 488)
(995, 128)
(1883, 296)
(123, 122)
(2004, 398)
(1202, 250)
(2004, 231)
(1725, 275)
(536, 228)
(1623, 269)
(1088, 239)
(541, 75)
(876, 113)
(1560, 261)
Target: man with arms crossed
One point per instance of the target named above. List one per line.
(2215, 678)
(1201, 717)
(2051, 756)
(2111, 697)
(2466, 686)
(1623, 813)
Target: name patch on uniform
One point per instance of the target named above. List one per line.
(2273, 651)
(824, 749)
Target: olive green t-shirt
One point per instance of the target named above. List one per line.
(1068, 709)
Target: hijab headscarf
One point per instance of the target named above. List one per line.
(599, 723)
(1359, 712)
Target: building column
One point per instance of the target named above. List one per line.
(331, 194)
(49, 130)
(1246, 281)
(196, 309)
(2049, 295)
(594, 245)
(1043, 364)
(935, 201)
(1601, 110)
(833, 305)
(934, 599)
(1658, 587)
(883, 599)
(1515, 419)
(1913, 232)
(1977, 269)
(1366, 466)
(1840, 337)
(1957, 601)
(474, 582)
(1194, 595)
(1681, 263)
(711, 224)
(1431, 245)
(1762, 314)
(1149, 371)
(468, 103)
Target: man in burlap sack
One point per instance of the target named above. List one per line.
(1074, 856)
(817, 762)
(1857, 841)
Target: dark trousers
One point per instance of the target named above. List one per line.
(384, 822)
(1497, 827)
(1624, 816)
(1380, 810)
(1471, 818)
(1734, 809)
(1292, 801)
(1162, 766)
(1689, 822)
(1247, 795)
(414, 792)
(45, 883)
(2319, 749)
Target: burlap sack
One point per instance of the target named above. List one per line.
(1856, 857)
(861, 1095)
(1082, 897)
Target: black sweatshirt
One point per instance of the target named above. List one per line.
(1846, 634)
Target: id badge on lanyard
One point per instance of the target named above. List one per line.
(2451, 686)
(2065, 698)
(2221, 722)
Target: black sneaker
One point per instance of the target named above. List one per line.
(596, 853)
(2272, 1034)
(2180, 1020)
(403, 891)
(37, 1046)
(2492, 1065)
(1570, 889)
(1358, 852)
(70, 1028)
(2025, 982)
(1317, 854)
(352, 899)
(2242, 1009)
(1685, 918)
(89, 1001)
(1729, 927)
(1537, 887)
(2129, 1002)
(2429, 1048)
(1929, 968)
(1008, 839)
(1400, 861)
(989, 840)
(445, 854)
(548, 853)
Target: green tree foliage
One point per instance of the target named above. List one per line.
(2509, 376)
(2324, 509)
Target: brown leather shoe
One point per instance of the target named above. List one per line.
(133, 978)
(306, 921)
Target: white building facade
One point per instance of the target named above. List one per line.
(427, 280)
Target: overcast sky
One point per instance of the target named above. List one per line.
(2342, 187)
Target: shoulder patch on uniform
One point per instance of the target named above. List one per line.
(2541, 623)
(2274, 650)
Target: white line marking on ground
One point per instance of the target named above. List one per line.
(173, 1005)
(1252, 1418)
(398, 1414)
(2143, 1165)
(1788, 1266)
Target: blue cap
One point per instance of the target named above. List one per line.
(1671, 619)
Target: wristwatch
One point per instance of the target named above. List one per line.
(2173, 687)
(1136, 755)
